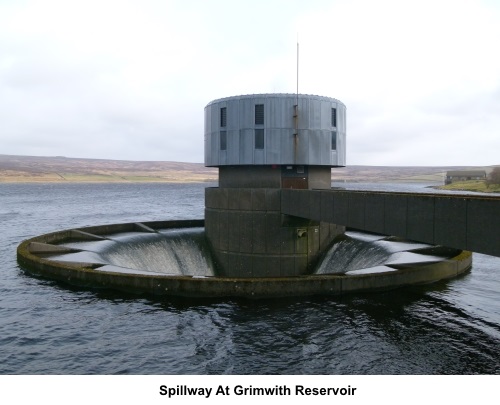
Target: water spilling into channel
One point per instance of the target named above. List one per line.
(173, 251)
(350, 253)
(181, 251)
(184, 251)
(360, 253)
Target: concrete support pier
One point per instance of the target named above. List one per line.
(251, 238)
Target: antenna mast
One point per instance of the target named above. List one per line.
(296, 110)
(297, 70)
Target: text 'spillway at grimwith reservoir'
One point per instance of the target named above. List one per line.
(239, 390)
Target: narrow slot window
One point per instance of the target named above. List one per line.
(259, 139)
(259, 114)
(223, 117)
(223, 140)
(334, 118)
(334, 140)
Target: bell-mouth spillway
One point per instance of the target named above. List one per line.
(172, 258)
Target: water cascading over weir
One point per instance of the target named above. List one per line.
(263, 144)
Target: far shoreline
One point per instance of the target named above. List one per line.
(49, 181)
(61, 170)
(477, 186)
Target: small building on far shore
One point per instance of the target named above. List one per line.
(464, 175)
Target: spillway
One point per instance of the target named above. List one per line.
(181, 252)
(361, 253)
(173, 258)
(184, 252)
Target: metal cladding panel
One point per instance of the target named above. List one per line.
(342, 149)
(304, 120)
(338, 157)
(208, 152)
(315, 145)
(246, 113)
(223, 157)
(314, 114)
(302, 152)
(319, 146)
(280, 114)
(273, 144)
(326, 114)
(314, 123)
(344, 119)
(259, 158)
(325, 151)
(215, 117)
(208, 121)
(232, 115)
(341, 117)
(214, 148)
(246, 146)
(233, 147)
(334, 158)
(287, 152)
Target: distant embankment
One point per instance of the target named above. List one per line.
(17, 169)
(14, 169)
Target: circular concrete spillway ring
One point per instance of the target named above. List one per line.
(70, 256)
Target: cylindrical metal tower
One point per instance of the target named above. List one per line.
(262, 143)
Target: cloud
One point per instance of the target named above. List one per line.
(130, 79)
(413, 75)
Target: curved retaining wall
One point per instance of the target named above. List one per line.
(32, 255)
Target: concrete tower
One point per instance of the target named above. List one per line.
(261, 144)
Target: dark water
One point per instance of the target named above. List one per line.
(449, 327)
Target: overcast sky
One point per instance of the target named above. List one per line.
(130, 79)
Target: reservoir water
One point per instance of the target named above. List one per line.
(450, 327)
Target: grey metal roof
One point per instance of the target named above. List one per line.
(275, 95)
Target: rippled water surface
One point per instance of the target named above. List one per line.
(449, 327)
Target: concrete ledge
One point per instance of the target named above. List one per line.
(88, 275)
(45, 248)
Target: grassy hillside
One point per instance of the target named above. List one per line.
(61, 169)
(472, 185)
